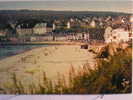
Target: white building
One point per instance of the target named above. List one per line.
(24, 31)
(116, 35)
(93, 24)
(40, 28)
(108, 34)
(54, 26)
(68, 25)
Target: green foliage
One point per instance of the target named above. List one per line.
(112, 76)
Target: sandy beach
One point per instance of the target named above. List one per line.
(30, 65)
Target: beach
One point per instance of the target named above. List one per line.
(29, 66)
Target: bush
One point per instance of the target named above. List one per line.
(112, 76)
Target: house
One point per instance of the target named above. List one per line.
(72, 24)
(93, 24)
(57, 24)
(24, 31)
(68, 25)
(116, 35)
(108, 34)
(40, 28)
(3, 32)
(54, 26)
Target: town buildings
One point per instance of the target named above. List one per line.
(85, 28)
(24, 31)
(39, 29)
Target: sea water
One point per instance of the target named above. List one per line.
(9, 50)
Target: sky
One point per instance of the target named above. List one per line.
(71, 5)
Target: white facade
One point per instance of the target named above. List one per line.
(24, 31)
(68, 25)
(108, 34)
(93, 24)
(40, 28)
(116, 35)
(54, 26)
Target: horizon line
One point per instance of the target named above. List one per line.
(19, 9)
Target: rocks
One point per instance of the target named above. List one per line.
(128, 51)
(124, 45)
(85, 46)
(112, 48)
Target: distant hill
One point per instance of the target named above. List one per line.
(34, 16)
(68, 13)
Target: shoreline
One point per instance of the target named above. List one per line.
(18, 52)
(45, 43)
